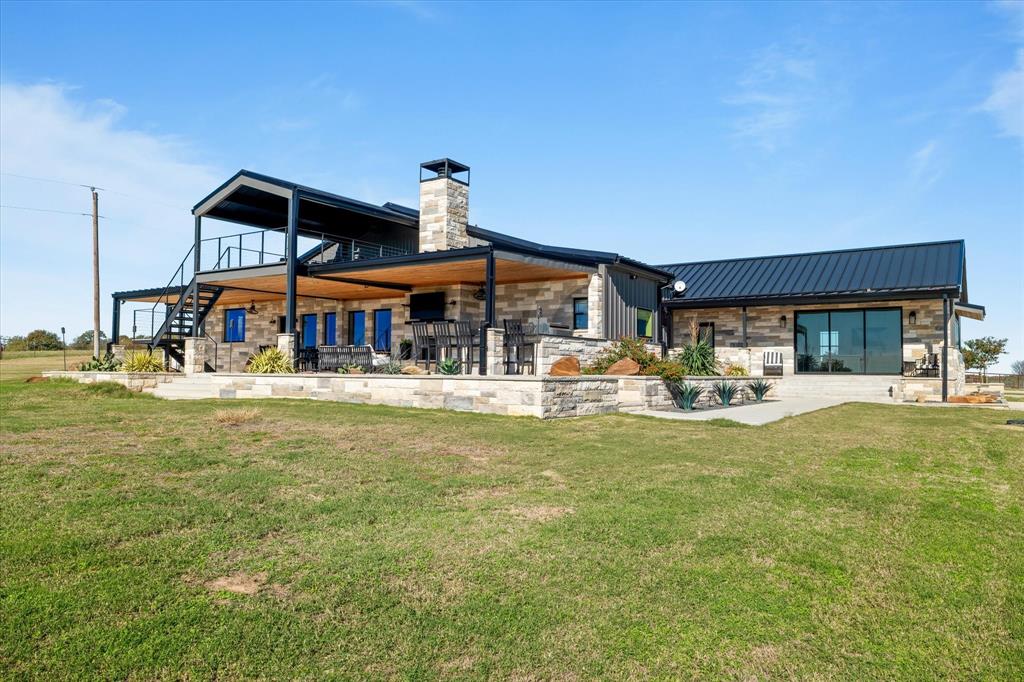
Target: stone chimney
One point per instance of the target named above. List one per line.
(444, 206)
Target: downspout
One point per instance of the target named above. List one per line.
(945, 348)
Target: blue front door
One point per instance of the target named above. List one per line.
(309, 331)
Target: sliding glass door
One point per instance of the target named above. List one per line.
(856, 341)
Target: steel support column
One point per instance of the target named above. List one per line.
(488, 311)
(291, 259)
(743, 313)
(197, 263)
(945, 348)
(115, 322)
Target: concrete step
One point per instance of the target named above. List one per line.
(187, 389)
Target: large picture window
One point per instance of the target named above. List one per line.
(234, 325)
(856, 341)
(330, 329)
(644, 323)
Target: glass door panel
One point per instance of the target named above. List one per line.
(884, 342)
(846, 336)
(812, 342)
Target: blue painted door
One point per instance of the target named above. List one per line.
(309, 331)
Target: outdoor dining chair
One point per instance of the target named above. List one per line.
(518, 353)
(464, 346)
(423, 346)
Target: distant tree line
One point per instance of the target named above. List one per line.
(40, 339)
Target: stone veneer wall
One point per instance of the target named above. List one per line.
(551, 347)
(444, 214)
(765, 334)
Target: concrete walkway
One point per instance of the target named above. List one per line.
(754, 414)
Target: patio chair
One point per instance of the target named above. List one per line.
(464, 345)
(444, 340)
(423, 345)
(362, 357)
(518, 353)
(308, 360)
(772, 363)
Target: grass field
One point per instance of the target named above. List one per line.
(19, 365)
(149, 539)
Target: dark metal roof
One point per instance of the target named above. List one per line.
(579, 256)
(931, 268)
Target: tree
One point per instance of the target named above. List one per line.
(40, 339)
(1017, 367)
(16, 343)
(982, 353)
(84, 340)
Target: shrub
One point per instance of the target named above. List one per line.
(449, 366)
(736, 371)
(725, 391)
(389, 367)
(669, 370)
(634, 349)
(760, 388)
(142, 362)
(698, 359)
(107, 364)
(685, 394)
(269, 361)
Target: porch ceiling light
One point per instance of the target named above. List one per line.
(480, 294)
(252, 308)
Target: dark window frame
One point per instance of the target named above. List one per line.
(350, 330)
(391, 329)
(227, 325)
(863, 311)
(586, 314)
(333, 327)
(653, 320)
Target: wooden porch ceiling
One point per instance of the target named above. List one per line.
(373, 282)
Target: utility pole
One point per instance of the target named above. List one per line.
(95, 272)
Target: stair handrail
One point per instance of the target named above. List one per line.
(165, 295)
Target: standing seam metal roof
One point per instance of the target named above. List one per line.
(931, 266)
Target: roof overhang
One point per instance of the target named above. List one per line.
(810, 299)
(974, 312)
(262, 201)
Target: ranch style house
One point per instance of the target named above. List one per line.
(321, 276)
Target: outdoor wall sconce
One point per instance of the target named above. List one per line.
(913, 317)
(782, 322)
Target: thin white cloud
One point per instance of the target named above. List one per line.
(774, 96)
(926, 165)
(1006, 100)
(45, 263)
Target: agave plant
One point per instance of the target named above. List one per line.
(108, 363)
(686, 394)
(760, 388)
(449, 366)
(725, 391)
(389, 367)
(269, 361)
(142, 362)
(349, 368)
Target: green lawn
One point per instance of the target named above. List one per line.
(21, 364)
(149, 539)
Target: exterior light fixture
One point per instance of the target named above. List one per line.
(252, 308)
(782, 322)
(480, 294)
(913, 317)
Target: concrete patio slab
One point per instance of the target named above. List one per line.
(754, 414)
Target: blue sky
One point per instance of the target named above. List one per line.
(667, 132)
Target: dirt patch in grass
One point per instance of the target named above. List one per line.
(246, 415)
(237, 583)
(540, 512)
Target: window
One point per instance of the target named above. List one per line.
(234, 325)
(857, 341)
(330, 329)
(357, 328)
(382, 330)
(706, 333)
(644, 323)
(309, 331)
(580, 308)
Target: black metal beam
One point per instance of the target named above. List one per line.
(370, 283)
(115, 321)
(195, 288)
(743, 314)
(945, 349)
(807, 300)
(291, 256)
(488, 321)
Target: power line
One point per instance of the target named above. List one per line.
(59, 182)
(50, 210)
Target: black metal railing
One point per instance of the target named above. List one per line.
(335, 250)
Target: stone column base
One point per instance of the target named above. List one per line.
(195, 356)
(286, 344)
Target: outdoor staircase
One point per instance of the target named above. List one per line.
(180, 320)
